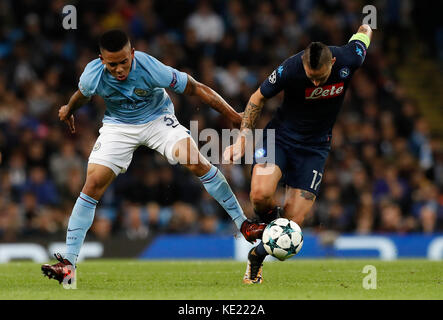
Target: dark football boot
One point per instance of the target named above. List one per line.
(60, 270)
(252, 231)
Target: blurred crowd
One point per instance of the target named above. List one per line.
(384, 174)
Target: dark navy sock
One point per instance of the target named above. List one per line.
(260, 250)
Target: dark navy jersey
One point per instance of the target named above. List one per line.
(308, 113)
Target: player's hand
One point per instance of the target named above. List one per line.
(65, 115)
(235, 151)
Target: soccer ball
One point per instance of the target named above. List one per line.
(282, 238)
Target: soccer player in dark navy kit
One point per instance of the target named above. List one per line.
(314, 82)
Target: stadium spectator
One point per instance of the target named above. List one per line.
(207, 25)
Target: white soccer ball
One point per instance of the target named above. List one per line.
(282, 238)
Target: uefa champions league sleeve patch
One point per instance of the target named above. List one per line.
(273, 77)
(360, 49)
(174, 80)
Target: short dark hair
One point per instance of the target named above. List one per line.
(316, 55)
(113, 40)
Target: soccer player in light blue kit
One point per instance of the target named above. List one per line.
(138, 112)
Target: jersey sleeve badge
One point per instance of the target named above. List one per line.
(273, 77)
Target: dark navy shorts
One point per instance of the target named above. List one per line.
(301, 163)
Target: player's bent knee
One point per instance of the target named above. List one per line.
(92, 189)
(95, 187)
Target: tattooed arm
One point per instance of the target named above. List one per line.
(249, 121)
(252, 112)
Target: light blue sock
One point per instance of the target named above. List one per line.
(217, 186)
(79, 223)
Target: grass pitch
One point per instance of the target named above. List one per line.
(221, 280)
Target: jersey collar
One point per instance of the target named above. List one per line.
(132, 75)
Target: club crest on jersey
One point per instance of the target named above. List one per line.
(260, 153)
(325, 92)
(273, 77)
(344, 72)
(140, 92)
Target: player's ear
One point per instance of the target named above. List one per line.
(333, 61)
(303, 59)
(101, 58)
(132, 52)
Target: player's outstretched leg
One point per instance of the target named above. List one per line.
(216, 185)
(254, 268)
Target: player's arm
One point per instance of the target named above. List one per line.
(249, 121)
(363, 35)
(164, 76)
(211, 98)
(269, 88)
(354, 52)
(66, 112)
(252, 112)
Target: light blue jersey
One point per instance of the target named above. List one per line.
(138, 99)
